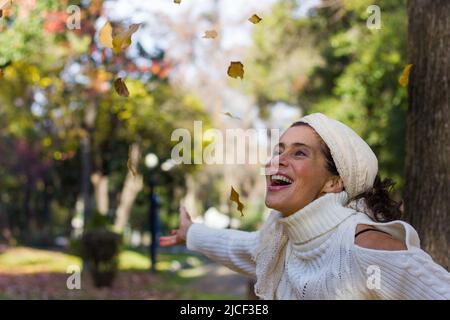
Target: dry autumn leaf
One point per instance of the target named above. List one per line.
(254, 19)
(403, 80)
(1, 73)
(123, 40)
(121, 88)
(177, 1)
(130, 164)
(105, 36)
(234, 196)
(231, 116)
(236, 70)
(211, 34)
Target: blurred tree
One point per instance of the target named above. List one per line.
(428, 149)
(331, 62)
(57, 104)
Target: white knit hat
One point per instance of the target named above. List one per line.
(356, 163)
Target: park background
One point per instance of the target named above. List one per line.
(72, 150)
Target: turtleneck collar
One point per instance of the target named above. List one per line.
(317, 218)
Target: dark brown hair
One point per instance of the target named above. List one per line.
(377, 199)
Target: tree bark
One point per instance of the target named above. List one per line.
(427, 200)
(131, 187)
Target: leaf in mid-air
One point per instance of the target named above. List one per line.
(231, 116)
(130, 164)
(254, 19)
(211, 34)
(105, 36)
(234, 196)
(236, 70)
(123, 40)
(403, 80)
(121, 87)
(177, 1)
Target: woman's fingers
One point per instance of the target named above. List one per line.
(167, 241)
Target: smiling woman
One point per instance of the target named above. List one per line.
(332, 232)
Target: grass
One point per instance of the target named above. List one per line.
(29, 266)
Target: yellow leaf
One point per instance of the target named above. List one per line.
(5, 4)
(403, 80)
(254, 19)
(121, 88)
(177, 1)
(123, 40)
(231, 116)
(212, 34)
(105, 36)
(234, 196)
(236, 69)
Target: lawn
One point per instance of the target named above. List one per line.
(29, 273)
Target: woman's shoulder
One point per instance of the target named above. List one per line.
(363, 232)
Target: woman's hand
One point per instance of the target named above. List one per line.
(178, 236)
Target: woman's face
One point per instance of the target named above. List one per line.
(301, 173)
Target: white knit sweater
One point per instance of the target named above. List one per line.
(312, 255)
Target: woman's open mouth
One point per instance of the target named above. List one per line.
(279, 182)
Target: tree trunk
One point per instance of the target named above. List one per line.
(131, 187)
(100, 183)
(427, 200)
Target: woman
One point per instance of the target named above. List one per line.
(332, 233)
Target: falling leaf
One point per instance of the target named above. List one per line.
(1, 73)
(130, 164)
(177, 1)
(4, 4)
(403, 80)
(105, 36)
(123, 40)
(236, 69)
(254, 19)
(121, 87)
(212, 34)
(231, 116)
(234, 196)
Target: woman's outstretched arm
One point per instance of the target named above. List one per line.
(232, 248)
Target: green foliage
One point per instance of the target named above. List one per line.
(353, 76)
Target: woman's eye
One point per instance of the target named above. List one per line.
(300, 153)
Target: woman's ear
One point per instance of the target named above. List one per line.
(333, 185)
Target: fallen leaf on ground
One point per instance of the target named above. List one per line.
(211, 34)
(121, 88)
(236, 69)
(234, 196)
(404, 78)
(254, 19)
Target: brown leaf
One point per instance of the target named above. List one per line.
(121, 88)
(177, 1)
(234, 196)
(1, 73)
(231, 116)
(211, 34)
(236, 69)
(130, 164)
(404, 78)
(254, 19)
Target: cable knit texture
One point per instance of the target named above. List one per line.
(311, 255)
